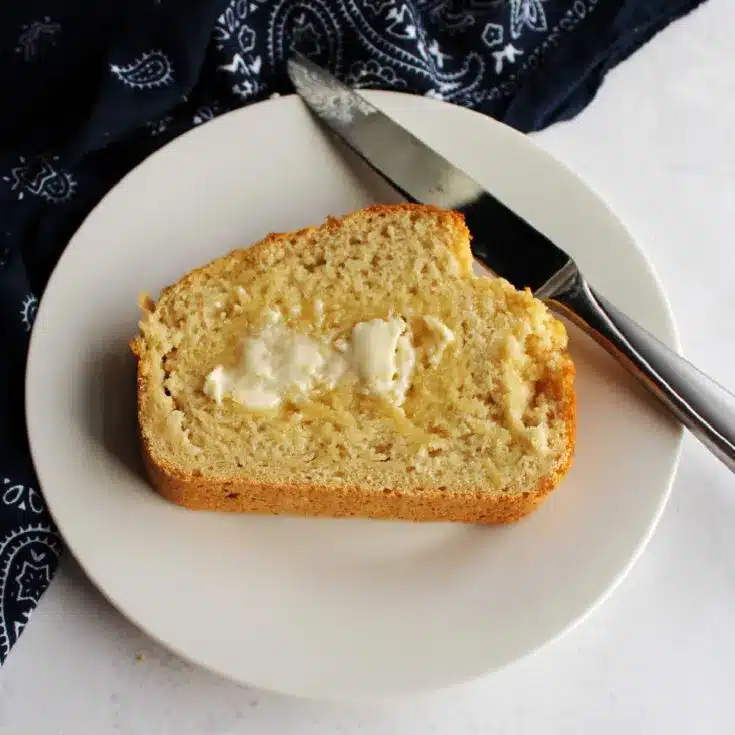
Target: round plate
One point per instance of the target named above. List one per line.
(331, 608)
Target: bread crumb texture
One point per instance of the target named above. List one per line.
(484, 432)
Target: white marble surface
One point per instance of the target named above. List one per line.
(659, 656)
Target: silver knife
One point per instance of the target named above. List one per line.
(512, 248)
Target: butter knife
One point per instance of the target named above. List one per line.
(512, 248)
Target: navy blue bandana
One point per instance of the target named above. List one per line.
(89, 89)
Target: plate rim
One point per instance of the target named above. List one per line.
(672, 337)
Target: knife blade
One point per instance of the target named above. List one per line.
(501, 239)
(514, 249)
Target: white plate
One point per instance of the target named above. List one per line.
(323, 608)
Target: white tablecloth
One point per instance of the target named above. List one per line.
(659, 656)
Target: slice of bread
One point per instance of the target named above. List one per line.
(480, 430)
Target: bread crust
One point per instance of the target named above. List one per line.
(238, 495)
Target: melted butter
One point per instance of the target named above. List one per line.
(443, 335)
(518, 391)
(518, 395)
(277, 363)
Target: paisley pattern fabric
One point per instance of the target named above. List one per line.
(89, 89)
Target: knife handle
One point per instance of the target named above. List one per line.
(701, 404)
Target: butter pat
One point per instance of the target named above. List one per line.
(216, 384)
(383, 357)
(275, 363)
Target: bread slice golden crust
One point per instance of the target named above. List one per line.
(417, 468)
